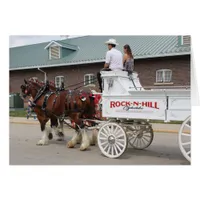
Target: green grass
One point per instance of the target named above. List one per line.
(18, 113)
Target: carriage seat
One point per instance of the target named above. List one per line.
(119, 81)
(119, 73)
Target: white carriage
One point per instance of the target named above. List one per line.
(128, 107)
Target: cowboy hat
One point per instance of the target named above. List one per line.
(111, 41)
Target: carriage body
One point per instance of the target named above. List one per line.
(128, 107)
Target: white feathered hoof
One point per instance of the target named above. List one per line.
(70, 144)
(84, 147)
(93, 140)
(42, 142)
(79, 139)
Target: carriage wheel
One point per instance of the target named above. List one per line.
(112, 140)
(185, 138)
(140, 136)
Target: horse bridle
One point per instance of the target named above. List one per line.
(27, 85)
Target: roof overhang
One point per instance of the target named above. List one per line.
(51, 43)
(63, 45)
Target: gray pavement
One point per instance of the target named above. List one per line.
(164, 150)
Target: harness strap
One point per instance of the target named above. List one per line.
(48, 94)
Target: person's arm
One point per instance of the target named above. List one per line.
(106, 65)
(124, 58)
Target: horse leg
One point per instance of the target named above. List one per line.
(55, 127)
(85, 140)
(75, 139)
(46, 130)
(94, 137)
(61, 131)
(79, 137)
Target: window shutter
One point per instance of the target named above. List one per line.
(54, 52)
(186, 40)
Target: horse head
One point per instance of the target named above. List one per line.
(28, 87)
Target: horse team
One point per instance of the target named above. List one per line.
(56, 106)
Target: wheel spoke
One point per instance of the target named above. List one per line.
(106, 131)
(112, 150)
(189, 152)
(118, 143)
(136, 142)
(120, 140)
(108, 151)
(104, 134)
(105, 147)
(142, 140)
(113, 129)
(117, 146)
(186, 143)
(106, 142)
(185, 134)
(146, 139)
(103, 138)
(188, 126)
(139, 142)
(121, 135)
(133, 140)
(146, 135)
(116, 134)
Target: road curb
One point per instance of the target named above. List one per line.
(155, 130)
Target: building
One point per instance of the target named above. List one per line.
(159, 60)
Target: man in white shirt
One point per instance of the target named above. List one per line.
(114, 60)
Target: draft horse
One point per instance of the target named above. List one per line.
(47, 105)
(77, 106)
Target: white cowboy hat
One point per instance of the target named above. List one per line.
(111, 41)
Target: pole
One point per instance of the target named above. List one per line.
(45, 74)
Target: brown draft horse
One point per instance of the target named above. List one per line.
(77, 106)
(55, 108)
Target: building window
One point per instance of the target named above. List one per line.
(89, 79)
(58, 81)
(163, 76)
(185, 40)
(54, 52)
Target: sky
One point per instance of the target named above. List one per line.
(18, 40)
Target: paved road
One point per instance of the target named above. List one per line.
(164, 150)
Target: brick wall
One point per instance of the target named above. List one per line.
(146, 68)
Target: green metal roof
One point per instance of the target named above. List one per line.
(91, 49)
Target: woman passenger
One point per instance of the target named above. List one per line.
(128, 60)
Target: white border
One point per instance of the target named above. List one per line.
(98, 182)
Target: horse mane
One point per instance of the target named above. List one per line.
(38, 83)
